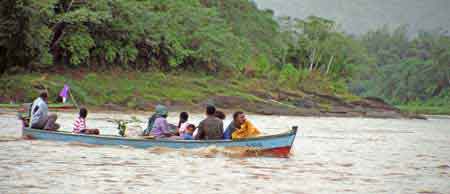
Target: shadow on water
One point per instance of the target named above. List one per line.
(8, 139)
(83, 145)
(213, 152)
(208, 152)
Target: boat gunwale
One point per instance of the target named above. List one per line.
(291, 132)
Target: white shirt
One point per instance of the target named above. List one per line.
(182, 129)
(41, 113)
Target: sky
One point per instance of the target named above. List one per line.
(359, 16)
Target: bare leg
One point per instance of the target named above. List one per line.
(51, 123)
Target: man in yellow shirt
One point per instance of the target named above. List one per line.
(243, 128)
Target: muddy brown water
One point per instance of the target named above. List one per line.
(330, 155)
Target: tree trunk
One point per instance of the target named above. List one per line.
(58, 32)
(317, 63)
(312, 60)
(69, 5)
(441, 85)
(329, 64)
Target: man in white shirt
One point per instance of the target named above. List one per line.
(40, 119)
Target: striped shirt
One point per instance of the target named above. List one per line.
(79, 125)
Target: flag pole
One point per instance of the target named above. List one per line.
(73, 99)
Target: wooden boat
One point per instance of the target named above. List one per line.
(275, 145)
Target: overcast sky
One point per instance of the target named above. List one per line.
(357, 16)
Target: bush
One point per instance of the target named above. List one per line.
(289, 75)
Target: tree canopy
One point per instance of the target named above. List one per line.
(137, 34)
(220, 36)
(407, 68)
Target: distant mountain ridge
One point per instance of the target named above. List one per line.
(359, 16)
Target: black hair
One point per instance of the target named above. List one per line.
(43, 95)
(83, 112)
(220, 115)
(191, 125)
(210, 110)
(236, 114)
(184, 116)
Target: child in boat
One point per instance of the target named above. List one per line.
(182, 124)
(80, 124)
(189, 133)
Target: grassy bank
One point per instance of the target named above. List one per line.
(141, 90)
(137, 90)
(438, 105)
(427, 110)
(55, 106)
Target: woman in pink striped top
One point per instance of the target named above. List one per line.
(80, 124)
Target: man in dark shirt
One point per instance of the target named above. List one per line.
(211, 127)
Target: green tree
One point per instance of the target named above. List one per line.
(408, 68)
(319, 46)
(24, 37)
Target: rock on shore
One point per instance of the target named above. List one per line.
(313, 104)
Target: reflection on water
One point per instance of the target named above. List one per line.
(330, 155)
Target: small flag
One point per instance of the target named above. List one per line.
(64, 93)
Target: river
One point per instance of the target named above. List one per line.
(330, 155)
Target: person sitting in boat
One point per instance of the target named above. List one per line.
(232, 126)
(221, 115)
(189, 133)
(211, 127)
(183, 124)
(79, 126)
(240, 127)
(40, 118)
(157, 123)
(160, 111)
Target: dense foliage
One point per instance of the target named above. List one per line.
(24, 35)
(408, 69)
(209, 34)
(317, 44)
(229, 36)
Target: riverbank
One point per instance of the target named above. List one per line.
(191, 91)
(426, 110)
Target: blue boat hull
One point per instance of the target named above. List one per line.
(279, 144)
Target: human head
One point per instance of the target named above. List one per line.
(190, 129)
(184, 116)
(83, 112)
(210, 110)
(161, 110)
(44, 96)
(220, 115)
(239, 117)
